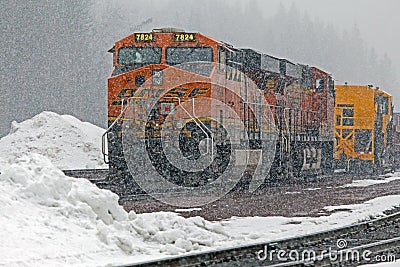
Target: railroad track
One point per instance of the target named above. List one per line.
(128, 191)
(346, 246)
(90, 174)
(378, 237)
(385, 250)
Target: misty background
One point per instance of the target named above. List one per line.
(54, 53)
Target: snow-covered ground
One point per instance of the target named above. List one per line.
(49, 219)
(272, 228)
(368, 182)
(68, 142)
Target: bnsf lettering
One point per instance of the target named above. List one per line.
(116, 103)
(132, 92)
(127, 93)
(143, 92)
(198, 91)
(176, 92)
(156, 93)
(147, 92)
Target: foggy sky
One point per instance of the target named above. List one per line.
(378, 21)
(110, 20)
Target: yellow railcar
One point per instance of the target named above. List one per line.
(363, 122)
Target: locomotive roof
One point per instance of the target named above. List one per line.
(171, 30)
(365, 87)
(203, 39)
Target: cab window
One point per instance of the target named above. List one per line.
(179, 55)
(194, 59)
(348, 116)
(319, 85)
(221, 59)
(139, 55)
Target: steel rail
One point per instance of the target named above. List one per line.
(84, 172)
(389, 246)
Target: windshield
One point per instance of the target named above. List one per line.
(139, 55)
(194, 59)
(178, 55)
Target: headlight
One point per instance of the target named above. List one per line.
(179, 125)
(157, 77)
(140, 80)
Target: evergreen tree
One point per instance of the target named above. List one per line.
(56, 51)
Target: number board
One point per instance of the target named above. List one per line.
(184, 37)
(144, 37)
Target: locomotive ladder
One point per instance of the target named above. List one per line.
(255, 130)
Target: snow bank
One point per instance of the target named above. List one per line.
(273, 228)
(49, 219)
(68, 142)
(367, 182)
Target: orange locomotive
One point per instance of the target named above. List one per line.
(242, 101)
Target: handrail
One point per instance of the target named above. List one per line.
(103, 136)
(207, 134)
(198, 122)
